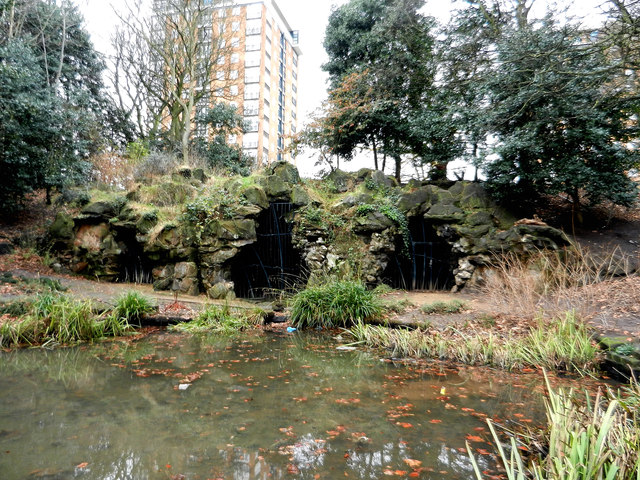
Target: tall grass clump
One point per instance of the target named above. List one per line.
(551, 281)
(221, 320)
(585, 440)
(560, 344)
(132, 306)
(565, 343)
(51, 319)
(334, 304)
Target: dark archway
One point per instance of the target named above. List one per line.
(271, 264)
(424, 264)
(134, 265)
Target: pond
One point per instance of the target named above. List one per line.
(269, 406)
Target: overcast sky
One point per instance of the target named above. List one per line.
(310, 18)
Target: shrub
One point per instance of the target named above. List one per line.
(335, 304)
(221, 320)
(132, 306)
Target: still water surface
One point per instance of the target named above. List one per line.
(270, 406)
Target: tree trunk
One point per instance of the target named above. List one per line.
(375, 153)
(398, 160)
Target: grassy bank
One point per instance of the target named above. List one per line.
(560, 344)
(52, 319)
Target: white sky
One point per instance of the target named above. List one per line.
(310, 17)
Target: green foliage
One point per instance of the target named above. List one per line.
(382, 75)
(335, 304)
(387, 207)
(53, 110)
(564, 344)
(221, 320)
(58, 319)
(561, 123)
(137, 150)
(585, 439)
(132, 306)
(452, 306)
(223, 120)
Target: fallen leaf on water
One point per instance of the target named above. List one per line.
(404, 424)
(435, 420)
(474, 438)
(413, 463)
(82, 465)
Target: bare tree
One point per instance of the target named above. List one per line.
(168, 64)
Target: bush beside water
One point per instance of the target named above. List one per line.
(335, 304)
(59, 319)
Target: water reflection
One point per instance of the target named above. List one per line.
(268, 407)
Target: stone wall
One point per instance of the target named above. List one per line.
(119, 239)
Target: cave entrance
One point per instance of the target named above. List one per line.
(271, 264)
(424, 264)
(134, 267)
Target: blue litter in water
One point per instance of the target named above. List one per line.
(291, 329)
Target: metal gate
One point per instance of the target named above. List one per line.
(424, 264)
(270, 264)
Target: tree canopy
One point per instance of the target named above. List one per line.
(54, 111)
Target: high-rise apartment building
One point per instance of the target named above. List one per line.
(257, 73)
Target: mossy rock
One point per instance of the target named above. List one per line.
(480, 218)
(342, 181)
(356, 199)
(231, 230)
(147, 221)
(286, 171)
(379, 179)
(299, 196)
(256, 195)
(475, 196)
(246, 211)
(417, 201)
(198, 174)
(444, 213)
(474, 232)
(275, 187)
(372, 222)
(105, 208)
(62, 227)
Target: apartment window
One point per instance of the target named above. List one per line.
(252, 92)
(251, 108)
(232, 138)
(222, 12)
(219, 92)
(252, 59)
(221, 60)
(250, 139)
(235, 11)
(295, 75)
(254, 11)
(254, 27)
(252, 75)
(253, 43)
(235, 42)
(222, 27)
(235, 27)
(233, 74)
(235, 58)
(295, 59)
(295, 90)
(220, 75)
(233, 90)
